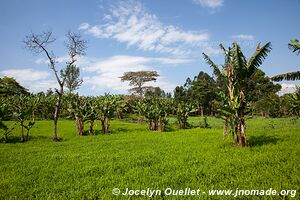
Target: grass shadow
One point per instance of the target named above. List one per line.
(12, 140)
(262, 140)
(17, 139)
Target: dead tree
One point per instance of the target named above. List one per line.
(38, 43)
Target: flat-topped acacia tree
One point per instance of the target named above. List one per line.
(138, 80)
(75, 45)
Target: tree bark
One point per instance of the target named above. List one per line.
(80, 126)
(243, 133)
(202, 112)
(105, 125)
(22, 132)
(140, 121)
(56, 113)
(225, 128)
(91, 129)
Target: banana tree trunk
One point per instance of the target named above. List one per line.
(105, 125)
(243, 133)
(91, 129)
(79, 125)
(140, 121)
(225, 128)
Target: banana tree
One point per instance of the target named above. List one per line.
(295, 102)
(4, 129)
(236, 73)
(122, 106)
(22, 110)
(91, 113)
(77, 109)
(155, 110)
(107, 106)
(35, 103)
(139, 108)
(183, 110)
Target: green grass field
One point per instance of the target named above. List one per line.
(89, 167)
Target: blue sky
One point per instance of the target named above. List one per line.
(163, 35)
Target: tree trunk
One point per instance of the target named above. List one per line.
(161, 126)
(140, 121)
(201, 110)
(80, 127)
(56, 113)
(243, 133)
(105, 125)
(77, 124)
(225, 128)
(22, 132)
(236, 131)
(91, 129)
(181, 125)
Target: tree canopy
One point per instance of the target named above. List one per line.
(138, 79)
(9, 86)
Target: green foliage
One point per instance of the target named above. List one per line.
(107, 106)
(22, 107)
(6, 131)
(155, 92)
(269, 105)
(295, 102)
(199, 92)
(155, 110)
(236, 74)
(183, 110)
(138, 79)
(204, 123)
(9, 86)
(294, 46)
(72, 74)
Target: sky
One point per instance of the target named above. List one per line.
(167, 36)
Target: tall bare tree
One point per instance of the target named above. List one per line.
(39, 43)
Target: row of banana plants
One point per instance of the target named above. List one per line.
(23, 110)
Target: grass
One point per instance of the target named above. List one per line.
(89, 167)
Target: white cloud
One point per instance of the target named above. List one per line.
(243, 37)
(34, 80)
(287, 88)
(130, 23)
(99, 75)
(210, 3)
(26, 74)
(107, 72)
